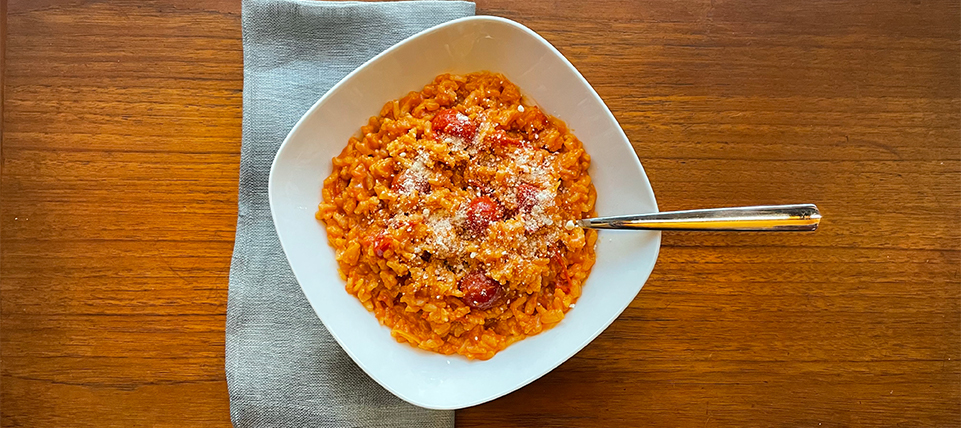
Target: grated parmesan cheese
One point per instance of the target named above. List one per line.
(416, 175)
(443, 240)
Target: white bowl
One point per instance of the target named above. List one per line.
(624, 258)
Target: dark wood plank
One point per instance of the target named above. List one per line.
(120, 160)
(120, 141)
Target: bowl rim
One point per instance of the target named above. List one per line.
(592, 92)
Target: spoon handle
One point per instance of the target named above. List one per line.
(768, 218)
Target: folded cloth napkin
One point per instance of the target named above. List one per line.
(283, 367)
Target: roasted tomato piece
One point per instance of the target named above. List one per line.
(564, 280)
(526, 197)
(454, 123)
(380, 243)
(481, 212)
(480, 291)
(407, 182)
(501, 137)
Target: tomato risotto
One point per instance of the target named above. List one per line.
(451, 215)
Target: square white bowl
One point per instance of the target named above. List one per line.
(624, 258)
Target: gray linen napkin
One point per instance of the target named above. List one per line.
(283, 367)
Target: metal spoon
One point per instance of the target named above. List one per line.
(768, 218)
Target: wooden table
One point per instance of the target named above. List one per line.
(121, 133)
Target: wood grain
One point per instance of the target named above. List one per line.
(120, 150)
(120, 162)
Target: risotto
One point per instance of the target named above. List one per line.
(451, 216)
